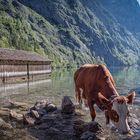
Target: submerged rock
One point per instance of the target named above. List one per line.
(67, 105)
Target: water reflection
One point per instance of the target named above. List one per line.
(61, 83)
(126, 78)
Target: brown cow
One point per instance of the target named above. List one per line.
(95, 84)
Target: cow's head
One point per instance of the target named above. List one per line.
(118, 111)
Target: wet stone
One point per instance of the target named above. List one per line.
(6, 135)
(79, 122)
(94, 127)
(4, 114)
(53, 131)
(67, 116)
(67, 106)
(88, 136)
(62, 127)
(41, 112)
(4, 125)
(35, 114)
(40, 104)
(16, 116)
(56, 134)
(48, 122)
(28, 120)
(44, 126)
(51, 107)
(48, 118)
(67, 122)
(79, 127)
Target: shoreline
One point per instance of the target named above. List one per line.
(56, 124)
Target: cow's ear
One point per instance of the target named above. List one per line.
(103, 100)
(131, 97)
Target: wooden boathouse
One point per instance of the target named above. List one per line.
(18, 65)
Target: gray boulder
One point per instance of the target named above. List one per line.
(67, 105)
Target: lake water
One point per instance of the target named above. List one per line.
(61, 84)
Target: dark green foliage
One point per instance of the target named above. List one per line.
(70, 32)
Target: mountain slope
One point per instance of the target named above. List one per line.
(127, 13)
(70, 32)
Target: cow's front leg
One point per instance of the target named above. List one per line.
(92, 110)
(107, 117)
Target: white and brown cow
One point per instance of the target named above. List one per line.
(95, 84)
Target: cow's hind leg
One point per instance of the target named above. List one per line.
(92, 110)
(78, 96)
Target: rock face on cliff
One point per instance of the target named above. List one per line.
(126, 12)
(73, 32)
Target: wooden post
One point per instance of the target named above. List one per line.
(28, 75)
(3, 78)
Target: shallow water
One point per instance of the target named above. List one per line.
(61, 83)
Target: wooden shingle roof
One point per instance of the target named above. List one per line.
(12, 56)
